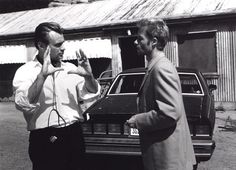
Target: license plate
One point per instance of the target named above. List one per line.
(133, 132)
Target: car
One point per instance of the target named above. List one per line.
(106, 132)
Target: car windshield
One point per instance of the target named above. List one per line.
(127, 84)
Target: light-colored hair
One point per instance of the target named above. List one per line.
(155, 28)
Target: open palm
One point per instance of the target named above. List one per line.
(84, 68)
(48, 68)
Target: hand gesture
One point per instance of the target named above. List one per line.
(84, 68)
(47, 67)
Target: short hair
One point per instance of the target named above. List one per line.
(42, 30)
(155, 29)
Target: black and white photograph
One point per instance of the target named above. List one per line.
(117, 85)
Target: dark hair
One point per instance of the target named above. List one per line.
(42, 30)
(155, 29)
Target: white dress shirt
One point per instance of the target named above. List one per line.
(64, 89)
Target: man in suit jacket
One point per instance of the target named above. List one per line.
(164, 133)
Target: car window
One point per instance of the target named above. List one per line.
(127, 83)
(130, 84)
(190, 83)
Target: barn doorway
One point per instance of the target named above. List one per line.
(129, 55)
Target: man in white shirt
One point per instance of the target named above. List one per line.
(48, 92)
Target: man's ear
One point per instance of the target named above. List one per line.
(41, 45)
(154, 42)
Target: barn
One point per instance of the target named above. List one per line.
(202, 36)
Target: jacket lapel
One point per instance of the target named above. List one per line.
(149, 68)
(144, 79)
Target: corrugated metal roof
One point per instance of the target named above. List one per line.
(100, 13)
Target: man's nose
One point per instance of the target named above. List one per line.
(136, 42)
(62, 48)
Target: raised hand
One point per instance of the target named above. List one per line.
(47, 67)
(84, 68)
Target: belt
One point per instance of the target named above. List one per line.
(53, 133)
(43, 130)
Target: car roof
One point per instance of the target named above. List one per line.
(142, 69)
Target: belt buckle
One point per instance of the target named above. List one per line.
(52, 139)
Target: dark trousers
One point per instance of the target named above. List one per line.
(67, 152)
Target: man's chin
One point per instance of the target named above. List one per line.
(140, 52)
(57, 60)
(60, 58)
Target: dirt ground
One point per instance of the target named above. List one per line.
(14, 141)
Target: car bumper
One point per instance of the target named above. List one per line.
(203, 149)
(114, 146)
(131, 146)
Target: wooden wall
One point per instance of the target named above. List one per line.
(226, 61)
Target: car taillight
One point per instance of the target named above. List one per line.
(126, 130)
(87, 128)
(99, 128)
(114, 129)
(202, 130)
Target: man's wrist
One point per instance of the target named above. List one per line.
(91, 84)
(89, 77)
(41, 76)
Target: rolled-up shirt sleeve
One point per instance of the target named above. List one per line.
(84, 94)
(21, 83)
(86, 98)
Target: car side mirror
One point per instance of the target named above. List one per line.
(212, 87)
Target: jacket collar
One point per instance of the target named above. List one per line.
(155, 60)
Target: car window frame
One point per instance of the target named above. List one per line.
(121, 94)
(199, 82)
(179, 73)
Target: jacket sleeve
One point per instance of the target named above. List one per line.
(166, 109)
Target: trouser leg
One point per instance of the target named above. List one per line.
(65, 153)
